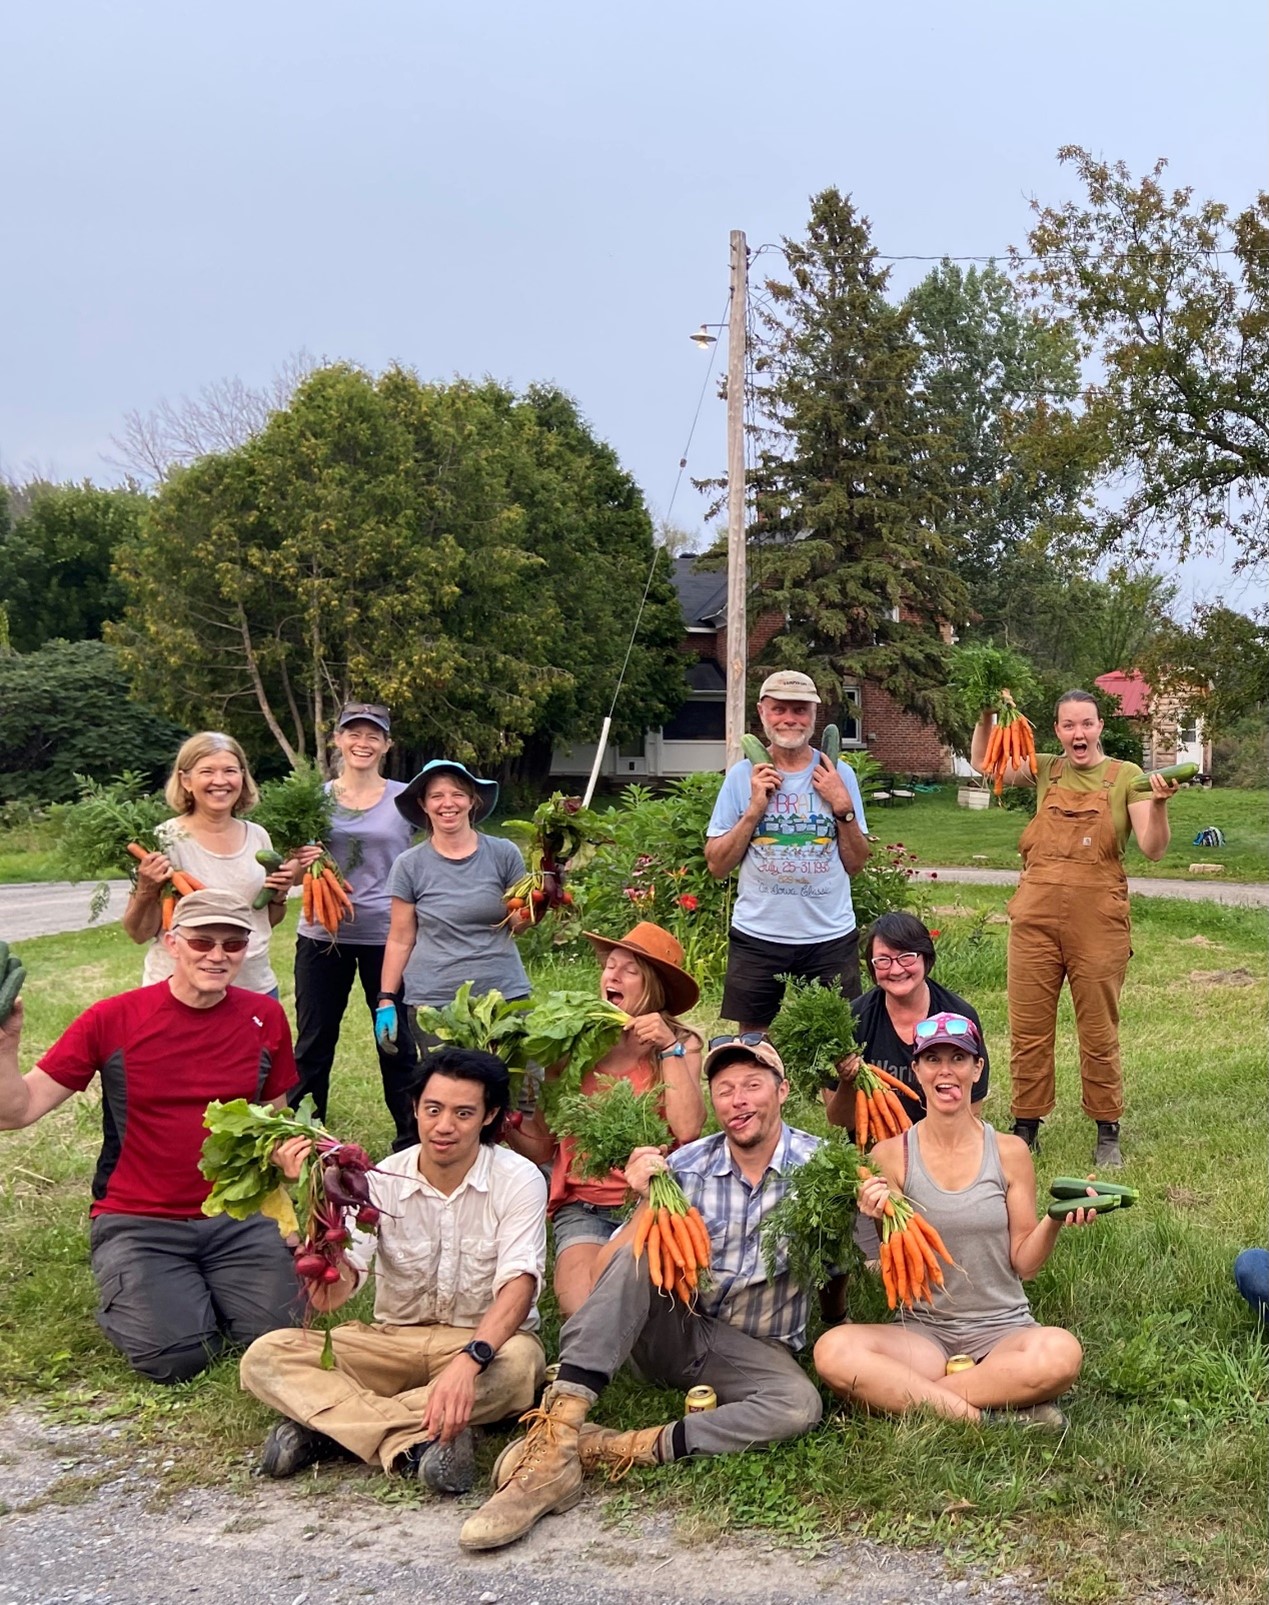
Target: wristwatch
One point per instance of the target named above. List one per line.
(482, 1353)
(846, 817)
(677, 1051)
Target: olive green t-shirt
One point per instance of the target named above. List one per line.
(1074, 779)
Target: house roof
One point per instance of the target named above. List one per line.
(1130, 688)
(703, 597)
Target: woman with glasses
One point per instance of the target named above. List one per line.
(367, 836)
(209, 788)
(899, 956)
(643, 974)
(978, 1190)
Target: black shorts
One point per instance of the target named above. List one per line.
(751, 993)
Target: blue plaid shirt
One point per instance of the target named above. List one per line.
(734, 1211)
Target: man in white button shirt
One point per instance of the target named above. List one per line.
(459, 1261)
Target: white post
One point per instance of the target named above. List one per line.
(599, 758)
(737, 629)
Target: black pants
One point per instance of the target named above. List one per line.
(752, 990)
(324, 975)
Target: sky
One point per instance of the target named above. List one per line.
(544, 193)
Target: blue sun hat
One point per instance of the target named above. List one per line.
(410, 801)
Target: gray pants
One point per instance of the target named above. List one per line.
(175, 1293)
(763, 1393)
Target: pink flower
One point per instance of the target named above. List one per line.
(688, 903)
(631, 892)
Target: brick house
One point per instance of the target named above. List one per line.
(693, 740)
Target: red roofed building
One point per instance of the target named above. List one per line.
(1169, 734)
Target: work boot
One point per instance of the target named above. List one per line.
(1107, 1151)
(547, 1476)
(1029, 1131)
(596, 1446)
(290, 1447)
(445, 1468)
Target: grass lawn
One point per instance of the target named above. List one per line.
(1161, 1480)
(939, 832)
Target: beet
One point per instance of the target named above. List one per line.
(368, 1217)
(331, 1273)
(310, 1267)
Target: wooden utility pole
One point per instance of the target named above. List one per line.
(737, 627)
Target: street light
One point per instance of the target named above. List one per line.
(703, 339)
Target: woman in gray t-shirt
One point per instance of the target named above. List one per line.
(449, 919)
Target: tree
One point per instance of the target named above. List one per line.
(66, 709)
(1217, 665)
(1170, 297)
(55, 562)
(853, 481)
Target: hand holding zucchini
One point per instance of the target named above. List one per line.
(1072, 1192)
(1180, 772)
(270, 861)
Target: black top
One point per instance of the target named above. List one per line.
(878, 1042)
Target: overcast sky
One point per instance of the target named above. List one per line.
(534, 192)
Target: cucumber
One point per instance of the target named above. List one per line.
(831, 743)
(1103, 1202)
(9, 989)
(4, 957)
(1074, 1187)
(753, 749)
(269, 859)
(1175, 771)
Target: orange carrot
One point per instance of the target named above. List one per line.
(887, 1274)
(893, 1081)
(138, 852)
(306, 898)
(184, 886)
(341, 897)
(861, 1117)
(642, 1227)
(167, 908)
(901, 1116)
(899, 1269)
(700, 1233)
(915, 1261)
(669, 1239)
(924, 1224)
(653, 1241)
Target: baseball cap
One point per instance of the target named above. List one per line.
(372, 712)
(955, 1029)
(726, 1050)
(789, 685)
(212, 907)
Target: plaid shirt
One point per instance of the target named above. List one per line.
(734, 1212)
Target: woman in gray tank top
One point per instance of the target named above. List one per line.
(978, 1189)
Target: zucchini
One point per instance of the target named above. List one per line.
(753, 749)
(4, 958)
(1179, 772)
(831, 743)
(9, 989)
(269, 859)
(1074, 1187)
(1103, 1202)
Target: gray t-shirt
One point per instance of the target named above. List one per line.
(365, 843)
(459, 906)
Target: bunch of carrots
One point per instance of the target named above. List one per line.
(878, 1112)
(326, 895)
(676, 1238)
(179, 885)
(910, 1252)
(1011, 744)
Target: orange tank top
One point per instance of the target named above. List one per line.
(611, 1192)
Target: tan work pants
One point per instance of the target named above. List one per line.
(374, 1401)
(1078, 933)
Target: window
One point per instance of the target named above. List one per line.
(850, 719)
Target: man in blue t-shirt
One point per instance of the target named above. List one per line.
(796, 828)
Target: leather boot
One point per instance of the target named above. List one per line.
(547, 1476)
(596, 1446)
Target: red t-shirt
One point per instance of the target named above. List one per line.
(161, 1063)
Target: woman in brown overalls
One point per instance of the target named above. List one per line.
(1069, 919)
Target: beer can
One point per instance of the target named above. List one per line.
(551, 1374)
(698, 1399)
(959, 1362)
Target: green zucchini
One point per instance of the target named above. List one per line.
(1076, 1187)
(269, 859)
(1103, 1202)
(1179, 772)
(831, 743)
(4, 957)
(9, 989)
(753, 749)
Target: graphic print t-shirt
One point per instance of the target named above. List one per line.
(791, 886)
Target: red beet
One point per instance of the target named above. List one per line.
(311, 1267)
(368, 1217)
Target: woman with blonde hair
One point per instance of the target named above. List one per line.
(209, 788)
(643, 974)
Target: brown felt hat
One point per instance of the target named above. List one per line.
(663, 952)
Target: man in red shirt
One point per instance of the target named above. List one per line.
(176, 1287)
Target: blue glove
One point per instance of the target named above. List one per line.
(386, 1025)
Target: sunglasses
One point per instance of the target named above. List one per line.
(367, 710)
(208, 944)
(746, 1039)
(952, 1025)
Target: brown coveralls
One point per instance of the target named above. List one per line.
(1069, 919)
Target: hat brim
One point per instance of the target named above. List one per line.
(730, 1052)
(946, 1039)
(409, 803)
(681, 991)
(364, 718)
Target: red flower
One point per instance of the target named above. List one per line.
(934, 934)
(688, 903)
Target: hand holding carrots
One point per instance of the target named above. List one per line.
(154, 870)
(674, 1235)
(326, 895)
(1011, 744)
(911, 1248)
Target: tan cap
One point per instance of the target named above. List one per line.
(212, 908)
(732, 1048)
(788, 685)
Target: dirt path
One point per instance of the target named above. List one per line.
(1240, 894)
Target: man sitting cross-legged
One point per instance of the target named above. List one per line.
(741, 1342)
(459, 1261)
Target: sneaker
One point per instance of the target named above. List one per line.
(1029, 1131)
(290, 1447)
(1046, 1416)
(1107, 1152)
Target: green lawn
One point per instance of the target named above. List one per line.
(1161, 1480)
(940, 832)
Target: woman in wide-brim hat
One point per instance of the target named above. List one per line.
(642, 973)
(449, 919)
